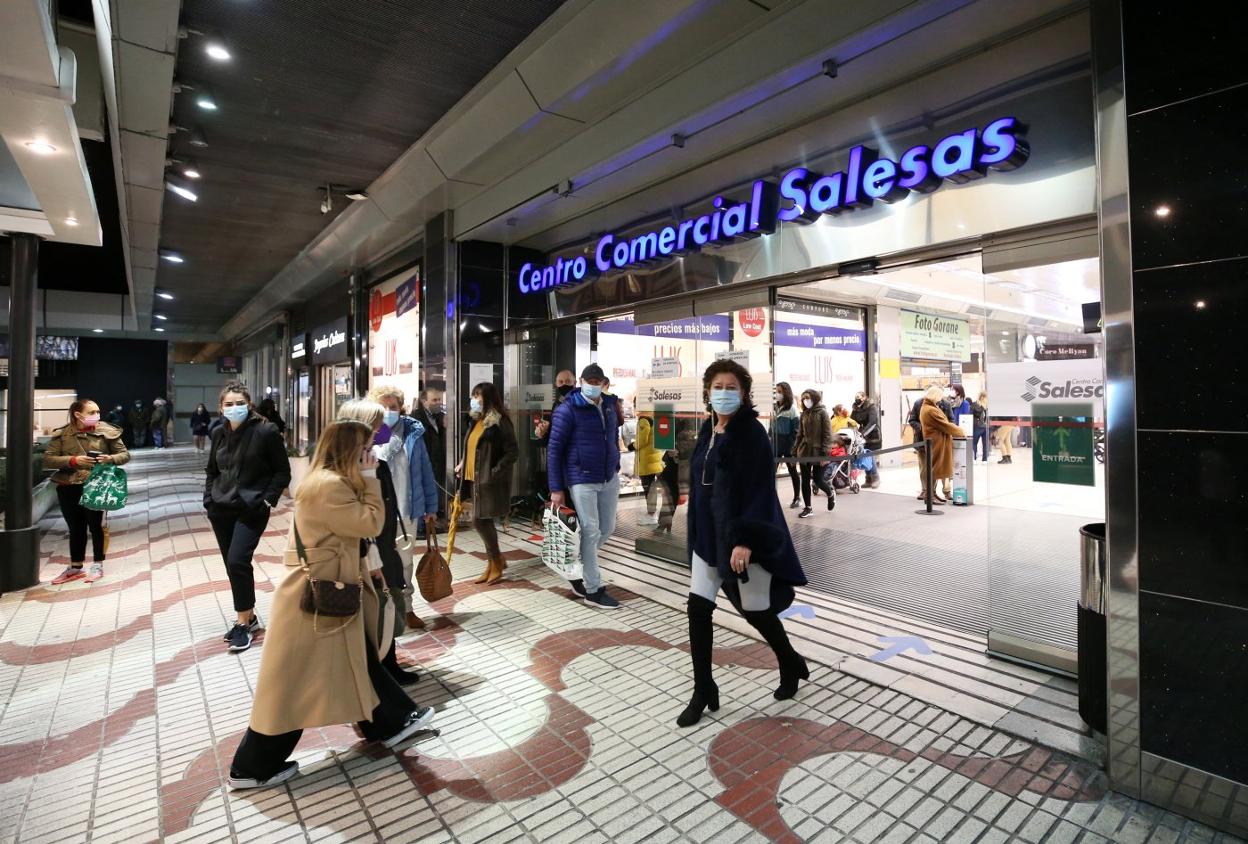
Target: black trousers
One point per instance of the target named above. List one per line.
(484, 527)
(813, 472)
(79, 519)
(238, 534)
(262, 756)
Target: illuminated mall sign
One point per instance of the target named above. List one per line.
(801, 196)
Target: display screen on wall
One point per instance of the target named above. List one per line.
(329, 342)
(935, 337)
(47, 347)
(229, 365)
(394, 334)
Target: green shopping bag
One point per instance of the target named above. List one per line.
(105, 489)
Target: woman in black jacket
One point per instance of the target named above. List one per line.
(738, 539)
(867, 414)
(490, 452)
(200, 420)
(247, 471)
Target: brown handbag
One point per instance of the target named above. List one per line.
(330, 598)
(433, 575)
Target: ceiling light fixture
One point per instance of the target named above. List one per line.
(198, 140)
(164, 294)
(183, 192)
(357, 195)
(71, 221)
(206, 102)
(160, 316)
(1200, 304)
(41, 147)
(158, 328)
(98, 330)
(191, 173)
(172, 257)
(1162, 211)
(327, 204)
(216, 51)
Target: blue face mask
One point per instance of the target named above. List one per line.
(591, 391)
(725, 402)
(390, 417)
(474, 406)
(237, 413)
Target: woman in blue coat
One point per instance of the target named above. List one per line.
(738, 539)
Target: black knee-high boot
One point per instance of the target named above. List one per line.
(705, 692)
(792, 667)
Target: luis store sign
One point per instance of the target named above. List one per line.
(802, 195)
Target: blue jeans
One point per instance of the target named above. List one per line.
(595, 506)
(980, 434)
(158, 437)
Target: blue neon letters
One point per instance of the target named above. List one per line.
(803, 195)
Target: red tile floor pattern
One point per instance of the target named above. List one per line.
(122, 709)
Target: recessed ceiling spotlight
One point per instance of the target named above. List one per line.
(164, 294)
(98, 330)
(1201, 304)
(206, 102)
(183, 192)
(41, 147)
(191, 173)
(216, 51)
(71, 221)
(160, 316)
(172, 257)
(197, 139)
(159, 328)
(1162, 211)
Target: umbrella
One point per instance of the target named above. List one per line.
(456, 508)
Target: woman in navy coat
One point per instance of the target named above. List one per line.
(738, 539)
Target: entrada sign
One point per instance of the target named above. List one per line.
(802, 196)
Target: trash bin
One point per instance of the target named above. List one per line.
(1093, 705)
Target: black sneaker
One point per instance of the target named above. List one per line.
(416, 722)
(602, 600)
(797, 502)
(252, 625)
(240, 638)
(578, 586)
(286, 773)
(831, 501)
(806, 513)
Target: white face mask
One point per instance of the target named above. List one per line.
(807, 403)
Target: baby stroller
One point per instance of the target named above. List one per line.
(844, 474)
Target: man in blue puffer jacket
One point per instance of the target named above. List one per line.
(583, 464)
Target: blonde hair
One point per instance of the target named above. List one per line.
(934, 393)
(387, 391)
(339, 449)
(362, 410)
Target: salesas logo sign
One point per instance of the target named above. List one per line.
(1077, 388)
(802, 195)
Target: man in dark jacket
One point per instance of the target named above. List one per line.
(247, 471)
(583, 465)
(160, 416)
(867, 414)
(138, 418)
(431, 414)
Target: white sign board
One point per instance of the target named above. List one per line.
(1014, 387)
(665, 368)
(683, 395)
(537, 396)
(480, 373)
(741, 356)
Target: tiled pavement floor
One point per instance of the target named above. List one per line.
(121, 709)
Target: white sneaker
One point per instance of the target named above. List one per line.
(419, 720)
(287, 773)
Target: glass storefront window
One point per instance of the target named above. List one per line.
(394, 335)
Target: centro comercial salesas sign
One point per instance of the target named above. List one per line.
(801, 195)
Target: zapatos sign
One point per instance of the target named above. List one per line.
(802, 195)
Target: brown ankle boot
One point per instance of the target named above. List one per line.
(488, 573)
(496, 571)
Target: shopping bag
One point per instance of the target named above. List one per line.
(386, 611)
(433, 574)
(561, 542)
(105, 489)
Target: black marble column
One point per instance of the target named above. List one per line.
(1186, 87)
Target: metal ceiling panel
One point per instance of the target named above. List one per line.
(144, 77)
(144, 158)
(618, 50)
(505, 120)
(148, 23)
(144, 204)
(145, 235)
(143, 258)
(396, 190)
(29, 53)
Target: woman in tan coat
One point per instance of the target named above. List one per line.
(72, 451)
(317, 670)
(942, 432)
(814, 439)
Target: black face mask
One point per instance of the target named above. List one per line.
(564, 390)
